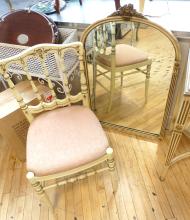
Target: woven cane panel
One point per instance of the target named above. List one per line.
(9, 50)
(36, 67)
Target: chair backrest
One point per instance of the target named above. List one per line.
(108, 33)
(104, 36)
(47, 64)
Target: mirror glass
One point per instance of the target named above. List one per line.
(130, 65)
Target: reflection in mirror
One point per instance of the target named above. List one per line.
(130, 65)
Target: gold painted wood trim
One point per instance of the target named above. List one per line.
(128, 130)
(183, 114)
(180, 157)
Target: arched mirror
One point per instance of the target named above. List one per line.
(132, 67)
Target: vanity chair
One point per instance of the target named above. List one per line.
(113, 60)
(65, 140)
(117, 3)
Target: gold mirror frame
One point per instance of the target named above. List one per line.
(128, 13)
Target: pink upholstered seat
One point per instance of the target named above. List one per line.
(64, 139)
(125, 55)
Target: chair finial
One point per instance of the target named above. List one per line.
(109, 150)
(30, 175)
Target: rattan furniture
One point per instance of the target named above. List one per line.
(179, 127)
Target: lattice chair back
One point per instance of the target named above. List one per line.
(104, 38)
(47, 64)
(106, 35)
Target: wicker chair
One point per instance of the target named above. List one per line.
(65, 140)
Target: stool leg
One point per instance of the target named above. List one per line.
(112, 168)
(174, 142)
(80, 1)
(121, 79)
(112, 88)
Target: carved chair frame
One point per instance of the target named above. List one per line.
(30, 110)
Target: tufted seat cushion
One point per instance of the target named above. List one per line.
(63, 139)
(125, 55)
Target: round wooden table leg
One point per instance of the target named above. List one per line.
(176, 136)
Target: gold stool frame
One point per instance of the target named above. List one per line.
(179, 126)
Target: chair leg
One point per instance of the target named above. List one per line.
(147, 83)
(94, 86)
(136, 32)
(174, 142)
(112, 168)
(38, 188)
(112, 88)
(121, 79)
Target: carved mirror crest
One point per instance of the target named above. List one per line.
(132, 66)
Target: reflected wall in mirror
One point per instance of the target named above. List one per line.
(130, 63)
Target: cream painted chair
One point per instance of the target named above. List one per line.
(64, 140)
(115, 58)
